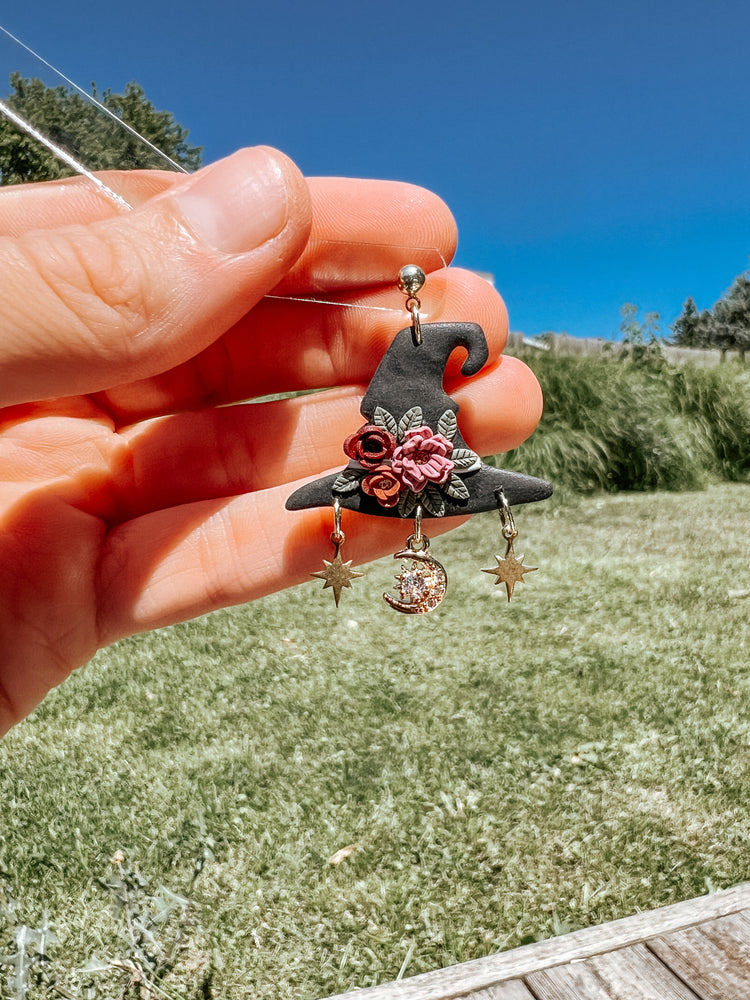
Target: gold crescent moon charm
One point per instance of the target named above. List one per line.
(422, 583)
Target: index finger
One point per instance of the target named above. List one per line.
(364, 231)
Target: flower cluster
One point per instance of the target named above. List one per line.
(406, 462)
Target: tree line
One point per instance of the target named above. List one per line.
(725, 327)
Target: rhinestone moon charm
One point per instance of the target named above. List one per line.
(421, 583)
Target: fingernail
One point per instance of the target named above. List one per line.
(237, 204)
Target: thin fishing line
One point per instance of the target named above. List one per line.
(325, 302)
(356, 305)
(62, 154)
(93, 100)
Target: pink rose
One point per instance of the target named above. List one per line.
(383, 485)
(370, 446)
(422, 458)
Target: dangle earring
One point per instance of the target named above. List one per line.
(422, 581)
(337, 574)
(510, 569)
(410, 460)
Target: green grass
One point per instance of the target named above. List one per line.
(507, 771)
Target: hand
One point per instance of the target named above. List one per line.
(131, 496)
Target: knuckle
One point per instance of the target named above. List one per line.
(95, 287)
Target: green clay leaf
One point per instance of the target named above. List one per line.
(407, 503)
(447, 425)
(455, 488)
(347, 481)
(433, 501)
(411, 419)
(382, 418)
(464, 459)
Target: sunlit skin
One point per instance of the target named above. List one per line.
(130, 496)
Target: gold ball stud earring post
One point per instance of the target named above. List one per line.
(411, 279)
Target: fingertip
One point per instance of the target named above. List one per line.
(246, 200)
(440, 232)
(364, 231)
(502, 407)
(372, 207)
(524, 396)
(457, 294)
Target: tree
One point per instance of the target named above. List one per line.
(732, 316)
(689, 329)
(86, 132)
(641, 336)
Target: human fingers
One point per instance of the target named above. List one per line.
(186, 457)
(87, 307)
(175, 564)
(362, 233)
(285, 346)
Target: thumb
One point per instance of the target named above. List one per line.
(85, 308)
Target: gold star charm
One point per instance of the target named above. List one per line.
(510, 570)
(337, 574)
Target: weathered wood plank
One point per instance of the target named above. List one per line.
(514, 990)
(618, 975)
(713, 958)
(459, 980)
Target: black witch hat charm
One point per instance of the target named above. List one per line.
(409, 458)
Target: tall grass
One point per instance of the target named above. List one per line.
(718, 399)
(620, 425)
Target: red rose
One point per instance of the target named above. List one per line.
(382, 484)
(370, 446)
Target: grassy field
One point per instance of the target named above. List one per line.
(506, 772)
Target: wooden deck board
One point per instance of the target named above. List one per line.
(696, 950)
(713, 958)
(617, 975)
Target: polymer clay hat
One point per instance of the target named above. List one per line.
(409, 459)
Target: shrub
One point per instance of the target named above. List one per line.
(637, 425)
(718, 399)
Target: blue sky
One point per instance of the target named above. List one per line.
(593, 153)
